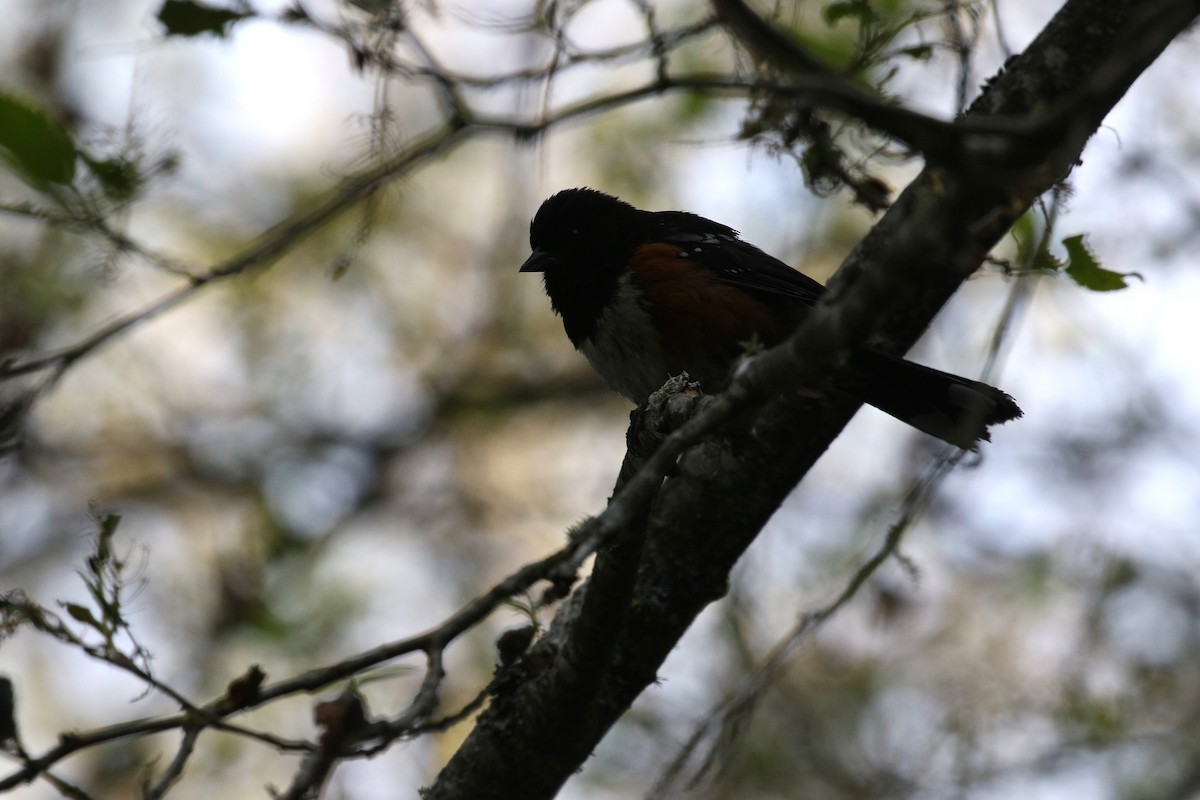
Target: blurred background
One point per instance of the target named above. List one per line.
(339, 450)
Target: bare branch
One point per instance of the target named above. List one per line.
(560, 565)
(174, 770)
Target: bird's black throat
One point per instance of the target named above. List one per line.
(579, 294)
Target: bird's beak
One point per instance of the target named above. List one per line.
(539, 261)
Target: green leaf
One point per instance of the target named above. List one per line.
(835, 12)
(189, 18)
(35, 142)
(119, 176)
(81, 614)
(1084, 269)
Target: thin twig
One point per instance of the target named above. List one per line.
(269, 247)
(174, 770)
(432, 641)
(721, 724)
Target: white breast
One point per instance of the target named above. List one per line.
(624, 350)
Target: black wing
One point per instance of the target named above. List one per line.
(738, 263)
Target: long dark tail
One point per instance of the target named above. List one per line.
(955, 410)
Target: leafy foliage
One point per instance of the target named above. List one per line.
(1084, 268)
(35, 142)
(104, 631)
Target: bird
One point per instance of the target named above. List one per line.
(647, 295)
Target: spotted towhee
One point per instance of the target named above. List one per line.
(647, 295)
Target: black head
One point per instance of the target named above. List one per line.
(582, 241)
(583, 229)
